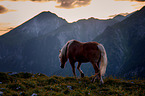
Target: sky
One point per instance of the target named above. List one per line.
(15, 12)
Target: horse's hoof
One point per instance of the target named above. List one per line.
(101, 83)
(82, 75)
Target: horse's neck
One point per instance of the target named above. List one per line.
(64, 50)
(67, 44)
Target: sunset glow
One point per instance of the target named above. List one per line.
(20, 11)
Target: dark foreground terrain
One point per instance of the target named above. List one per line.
(27, 84)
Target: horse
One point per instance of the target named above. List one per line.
(83, 52)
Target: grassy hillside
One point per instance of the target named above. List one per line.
(27, 84)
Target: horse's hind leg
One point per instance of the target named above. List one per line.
(101, 80)
(81, 72)
(97, 71)
(100, 76)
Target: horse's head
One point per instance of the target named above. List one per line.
(63, 55)
(63, 59)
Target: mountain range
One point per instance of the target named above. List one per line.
(34, 45)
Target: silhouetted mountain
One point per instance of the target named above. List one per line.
(124, 43)
(12, 43)
(41, 24)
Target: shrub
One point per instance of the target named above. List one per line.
(29, 84)
(4, 78)
(16, 87)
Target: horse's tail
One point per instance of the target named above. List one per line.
(103, 60)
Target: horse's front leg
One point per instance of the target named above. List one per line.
(73, 68)
(81, 72)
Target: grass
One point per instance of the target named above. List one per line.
(27, 84)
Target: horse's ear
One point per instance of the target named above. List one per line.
(59, 51)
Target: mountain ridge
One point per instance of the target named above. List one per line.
(31, 27)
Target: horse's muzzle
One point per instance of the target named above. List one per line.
(62, 67)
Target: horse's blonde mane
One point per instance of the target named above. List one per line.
(64, 49)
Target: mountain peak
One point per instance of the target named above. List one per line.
(86, 20)
(142, 10)
(41, 24)
(47, 14)
(119, 17)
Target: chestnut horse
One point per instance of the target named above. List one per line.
(81, 52)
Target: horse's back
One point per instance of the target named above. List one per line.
(91, 50)
(74, 48)
(84, 52)
(90, 46)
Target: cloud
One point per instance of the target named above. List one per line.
(36, 0)
(30, 0)
(3, 9)
(67, 4)
(72, 3)
(132, 0)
